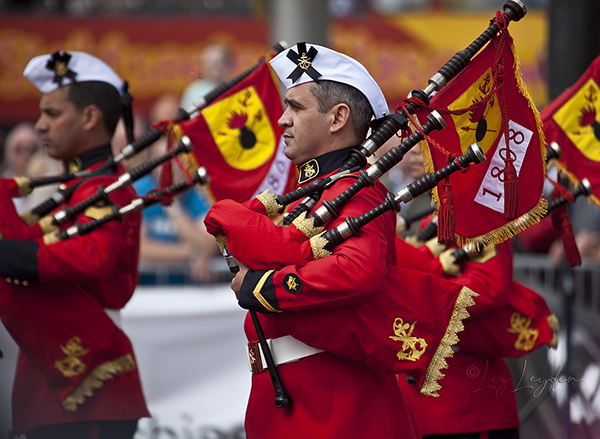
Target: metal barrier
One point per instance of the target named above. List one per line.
(572, 373)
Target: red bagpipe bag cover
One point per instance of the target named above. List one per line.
(479, 199)
(59, 323)
(522, 325)
(409, 326)
(508, 319)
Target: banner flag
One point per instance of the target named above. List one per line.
(488, 103)
(238, 141)
(572, 120)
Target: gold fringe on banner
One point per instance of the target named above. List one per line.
(509, 230)
(525, 93)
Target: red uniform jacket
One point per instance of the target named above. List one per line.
(74, 363)
(332, 397)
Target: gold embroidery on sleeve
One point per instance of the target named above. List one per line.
(519, 324)
(409, 349)
(72, 366)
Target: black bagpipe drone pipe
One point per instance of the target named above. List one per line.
(183, 146)
(199, 177)
(131, 149)
(405, 221)
(351, 226)
(429, 231)
(513, 10)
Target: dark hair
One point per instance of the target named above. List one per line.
(101, 94)
(330, 93)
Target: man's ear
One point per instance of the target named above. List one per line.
(92, 117)
(341, 117)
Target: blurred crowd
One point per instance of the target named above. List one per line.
(243, 7)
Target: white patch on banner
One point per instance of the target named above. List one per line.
(491, 191)
(276, 178)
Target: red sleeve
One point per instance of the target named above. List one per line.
(356, 268)
(96, 254)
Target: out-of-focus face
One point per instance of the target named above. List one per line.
(24, 143)
(215, 64)
(416, 166)
(306, 131)
(61, 125)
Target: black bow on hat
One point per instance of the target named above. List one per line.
(59, 65)
(303, 62)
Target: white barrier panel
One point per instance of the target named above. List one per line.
(189, 343)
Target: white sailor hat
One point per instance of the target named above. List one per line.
(303, 63)
(49, 72)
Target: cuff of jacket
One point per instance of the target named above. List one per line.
(258, 292)
(18, 260)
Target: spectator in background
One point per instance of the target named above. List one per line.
(41, 165)
(119, 141)
(215, 67)
(174, 237)
(22, 142)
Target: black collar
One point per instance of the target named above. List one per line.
(88, 159)
(322, 165)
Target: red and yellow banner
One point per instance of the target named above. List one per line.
(238, 141)
(487, 103)
(572, 120)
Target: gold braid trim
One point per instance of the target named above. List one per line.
(448, 263)
(553, 322)
(29, 218)
(435, 247)
(510, 229)
(438, 362)
(221, 242)
(259, 296)
(24, 185)
(571, 177)
(50, 238)
(307, 225)
(47, 225)
(95, 380)
(270, 202)
(317, 244)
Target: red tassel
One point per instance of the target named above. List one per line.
(446, 219)
(561, 222)
(166, 179)
(511, 191)
(568, 240)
